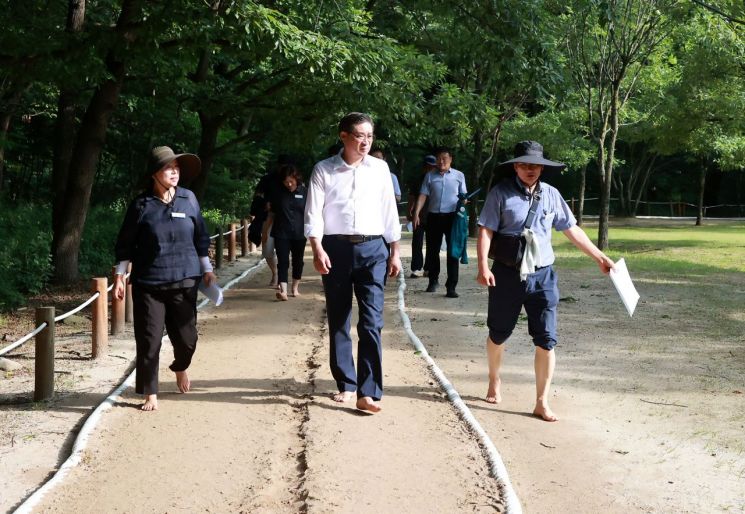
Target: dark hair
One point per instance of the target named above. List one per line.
(349, 121)
(377, 149)
(443, 149)
(290, 170)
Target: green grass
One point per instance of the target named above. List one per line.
(667, 250)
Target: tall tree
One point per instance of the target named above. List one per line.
(609, 44)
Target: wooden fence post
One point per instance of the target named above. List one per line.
(117, 308)
(244, 237)
(44, 371)
(218, 248)
(99, 309)
(231, 242)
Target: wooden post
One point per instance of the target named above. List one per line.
(44, 372)
(231, 242)
(117, 309)
(572, 207)
(244, 237)
(99, 309)
(218, 249)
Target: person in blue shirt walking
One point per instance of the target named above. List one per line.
(442, 186)
(165, 239)
(530, 282)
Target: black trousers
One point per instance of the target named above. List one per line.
(417, 245)
(176, 309)
(438, 225)
(285, 247)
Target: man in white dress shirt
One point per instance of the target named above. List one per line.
(349, 215)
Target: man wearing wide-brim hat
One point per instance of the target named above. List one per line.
(520, 212)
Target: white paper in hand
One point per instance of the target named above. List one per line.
(625, 287)
(213, 292)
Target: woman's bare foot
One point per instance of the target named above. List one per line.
(295, 288)
(151, 402)
(182, 381)
(494, 394)
(545, 413)
(343, 396)
(368, 404)
(273, 281)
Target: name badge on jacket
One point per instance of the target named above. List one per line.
(178, 215)
(299, 197)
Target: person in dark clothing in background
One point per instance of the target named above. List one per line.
(418, 262)
(165, 239)
(286, 213)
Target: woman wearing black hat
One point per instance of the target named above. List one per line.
(165, 239)
(515, 231)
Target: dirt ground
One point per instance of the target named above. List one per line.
(652, 410)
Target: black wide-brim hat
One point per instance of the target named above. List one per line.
(531, 152)
(189, 164)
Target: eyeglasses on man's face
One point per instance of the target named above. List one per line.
(358, 136)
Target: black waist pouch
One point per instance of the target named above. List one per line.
(507, 250)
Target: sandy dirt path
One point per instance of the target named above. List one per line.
(651, 408)
(259, 433)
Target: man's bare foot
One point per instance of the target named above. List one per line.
(151, 402)
(182, 381)
(545, 413)
(343, 396)
(368, 404)
(494, 394)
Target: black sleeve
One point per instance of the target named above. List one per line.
(127, 238)
(201, 236)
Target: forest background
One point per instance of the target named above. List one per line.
(643, 99)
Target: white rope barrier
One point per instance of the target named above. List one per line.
(78, 308)
(496, 465)
(81, 441)
(22, 340)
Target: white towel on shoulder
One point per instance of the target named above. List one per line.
(532, 255)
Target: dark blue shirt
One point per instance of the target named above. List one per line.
(289, 212)
(163, 241)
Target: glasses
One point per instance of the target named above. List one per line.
(361, 137)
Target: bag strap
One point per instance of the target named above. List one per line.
(536, 198)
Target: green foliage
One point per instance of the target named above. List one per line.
(99, 236)
(25, 262)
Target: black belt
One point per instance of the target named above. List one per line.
(354, 238)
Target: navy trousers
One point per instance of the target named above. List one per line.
(359, 269)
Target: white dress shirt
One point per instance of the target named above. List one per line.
(343, 199)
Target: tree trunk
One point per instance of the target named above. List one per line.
(64, 129)
(4, 126)
(478, 170)
(701, 187)
(83, 163)
(207, 143)
(582, 186)
(608, 174)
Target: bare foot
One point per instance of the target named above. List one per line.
(295, 293)
(182, 381)
(494, 394)
(545, 413)
(343, 396)
(273, 281)
(151, 402)
(368, 404)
